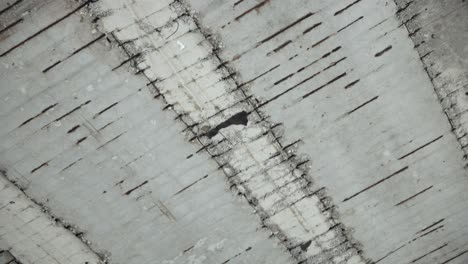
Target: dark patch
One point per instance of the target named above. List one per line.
(237, 119)
(306, 245)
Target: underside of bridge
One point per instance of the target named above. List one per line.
(234, 131)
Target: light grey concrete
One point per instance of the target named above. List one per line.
(240, 131)
(84, 163)
(358, 133)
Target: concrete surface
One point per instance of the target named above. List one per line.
(239, 131)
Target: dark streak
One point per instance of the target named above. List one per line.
(390, 253)
(11, 25)
(256, 7)
(238, 2)
(73, 53)
(40, 166)
(380, 53)
(73, 129)
(350, 24)
(81, 140)
(378, 24)
(126, 61)
(51, 66)
(42, 112)
(44, 29)
(10, 6)
(450, 259)
(283, 79)
(430, 226)
(311, 28)
(421, 147)
(105, 109)
(401, 9)
(71, 164)
(286, 28)
(346, 7)
(188, 249)
(351, 84)
(411, 197)
(116, 137)
(321, 41)
(280, 47)
(259, 76)
(334, 63)
(376, 183)
(133, 189)
(68, 113)
(362, 105)
(429, 232)
(321, 87)
(190, 185)
(430, 252)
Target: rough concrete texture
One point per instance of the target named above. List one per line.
(29, 233)
(240, 131)
(7, 258)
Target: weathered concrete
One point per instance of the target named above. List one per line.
(94, 132)
(93, 145)
(25, 228)
(343, 78)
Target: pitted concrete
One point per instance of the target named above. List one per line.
(320, 116)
